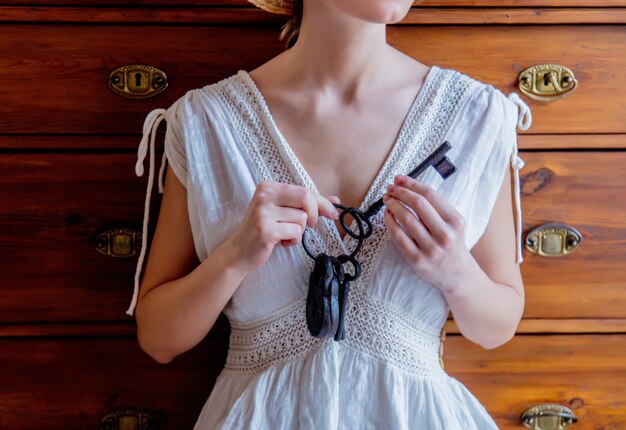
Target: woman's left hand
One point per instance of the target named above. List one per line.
(433, 242)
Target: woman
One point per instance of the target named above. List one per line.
(257, 157)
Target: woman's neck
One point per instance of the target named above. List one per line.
(336, 51)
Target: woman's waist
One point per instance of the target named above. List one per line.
(372, 326)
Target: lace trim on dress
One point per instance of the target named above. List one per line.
(377, 328)
(242, 106)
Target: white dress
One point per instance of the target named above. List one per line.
(221, 141)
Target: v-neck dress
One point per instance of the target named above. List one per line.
(221, 142)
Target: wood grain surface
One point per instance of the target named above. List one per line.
(497, 54)
(72, 383)
(55, 76)
(586, 373)
(585, 190)
(53, 204)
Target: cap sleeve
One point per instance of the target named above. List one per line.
(512, 112)
(174, 145)
(174, 153)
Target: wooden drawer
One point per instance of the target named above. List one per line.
(55, 77)
(585, 190)
(53, 204)
(58, 383)
(530, 370)
(497, 54)
(53, 212)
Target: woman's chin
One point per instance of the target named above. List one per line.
(375, 11)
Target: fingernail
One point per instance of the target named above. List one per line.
(401, 179)
(391, 188)
(335, 213)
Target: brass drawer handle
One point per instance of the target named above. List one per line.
(548, 416)
(128, 420)
(137, 81)
(547, 82)
(553, 240)
(118, 240)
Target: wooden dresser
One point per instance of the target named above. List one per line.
(72, 207)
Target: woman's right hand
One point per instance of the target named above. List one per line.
(277, 213)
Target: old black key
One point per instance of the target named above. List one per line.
(344, 289)
(323, 299)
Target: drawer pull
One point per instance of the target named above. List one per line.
(547, 82)
(127, 420)
(118, 240)
(137, 81)
(548, 416)
(553, 240)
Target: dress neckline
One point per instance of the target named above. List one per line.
(406, 132)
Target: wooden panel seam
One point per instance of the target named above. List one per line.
(559, 326)
(221, 328)
(129, 142)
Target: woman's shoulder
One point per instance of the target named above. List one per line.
(225, 84)
(205, 101)
(492, 104)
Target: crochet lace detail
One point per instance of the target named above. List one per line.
(425, 127)
(374, 327)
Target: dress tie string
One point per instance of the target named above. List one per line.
(524, 120)
(524, 111)
(150, 126)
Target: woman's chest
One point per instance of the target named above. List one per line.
(341, 148)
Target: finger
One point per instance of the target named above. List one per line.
(326, 206)
(300, 197)
(413, 226)
(287, 243)
(404, 242)
(295, 196)
(293, 215)
(334, 199)
(422, 207)
(290, 195)
(441, 205)
(287, 232)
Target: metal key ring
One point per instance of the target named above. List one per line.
(306, 248)
(359, 217)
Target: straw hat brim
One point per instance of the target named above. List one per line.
(283, 7)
